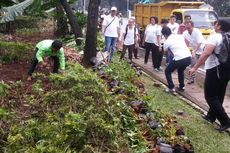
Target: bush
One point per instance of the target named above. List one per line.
(13, 52)
(81, 19)
(27, 32)
(76, 114)
(21, 22)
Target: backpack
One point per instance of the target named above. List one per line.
(126, 31)
(223, 53)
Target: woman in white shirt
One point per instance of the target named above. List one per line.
(217, 77)
(152, 41)
(181, 59)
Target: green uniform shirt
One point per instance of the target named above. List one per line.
(44, 49)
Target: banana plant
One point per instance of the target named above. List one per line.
(9, 13)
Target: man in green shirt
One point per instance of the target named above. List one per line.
(49, 48)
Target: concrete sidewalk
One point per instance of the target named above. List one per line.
(193, 92)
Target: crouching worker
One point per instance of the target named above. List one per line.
(181, 58)
(48, 48)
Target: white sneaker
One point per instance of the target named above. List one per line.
(172, 91)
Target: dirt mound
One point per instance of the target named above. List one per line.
(28, 39)
(18, 71)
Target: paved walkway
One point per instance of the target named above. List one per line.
(192, 92)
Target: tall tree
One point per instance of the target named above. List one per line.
(62, 26)
(91, 35)
(72, 20)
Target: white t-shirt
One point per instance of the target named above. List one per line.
(174, 27)
(129, 39)
(151, 33)
(194, 39)
(111, 30)
(212, 61)
(176, 44)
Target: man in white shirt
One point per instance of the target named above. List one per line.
(173, 25)
(217, 77)
(129, 38)
(194, 38)
(181, 59)
(111, 31)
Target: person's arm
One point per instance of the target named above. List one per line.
(118, 32)
(207, 52)
(61, 57)
(197, 48)
(103, 29)
(159, 41)
(103, 26)
(39, 55)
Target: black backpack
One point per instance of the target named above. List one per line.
(126, 31)
(223, 54)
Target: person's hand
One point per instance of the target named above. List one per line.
(159, 49)
(193, 54)
(61, 71)
(143, 44)
(43, 64)
(192, 71)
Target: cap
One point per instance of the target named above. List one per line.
(113, 9)
(103, 16)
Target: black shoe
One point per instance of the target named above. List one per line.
(180, 89)
(205, 117)
(223, 128)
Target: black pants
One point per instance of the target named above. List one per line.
(155, 51)
(135, 51)
(160, 57)
(130, 48)
(214, 90)
(35, 62)
(180, 65)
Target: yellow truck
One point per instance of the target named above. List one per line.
(203, 18)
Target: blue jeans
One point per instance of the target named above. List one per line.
(110, 43)
(180, 65)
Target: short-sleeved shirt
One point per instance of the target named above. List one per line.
(174, 27)
(215, 40)
(151, 33)
(111, 30)
(194, 39)
(130, 36)
(176, 44)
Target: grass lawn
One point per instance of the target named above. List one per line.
(202, 134)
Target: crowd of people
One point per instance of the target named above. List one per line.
(168, 37)
(183, 45)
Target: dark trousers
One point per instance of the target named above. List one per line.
(130, 48)
(35, 62)
(160, 57)
(154, 49)
(135, 52)
(180, 65)
(169, 57)
(214, 90)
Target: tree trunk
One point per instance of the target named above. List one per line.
(91, 35)
(62, 26)
(72, 20)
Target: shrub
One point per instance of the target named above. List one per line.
(14, 51)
